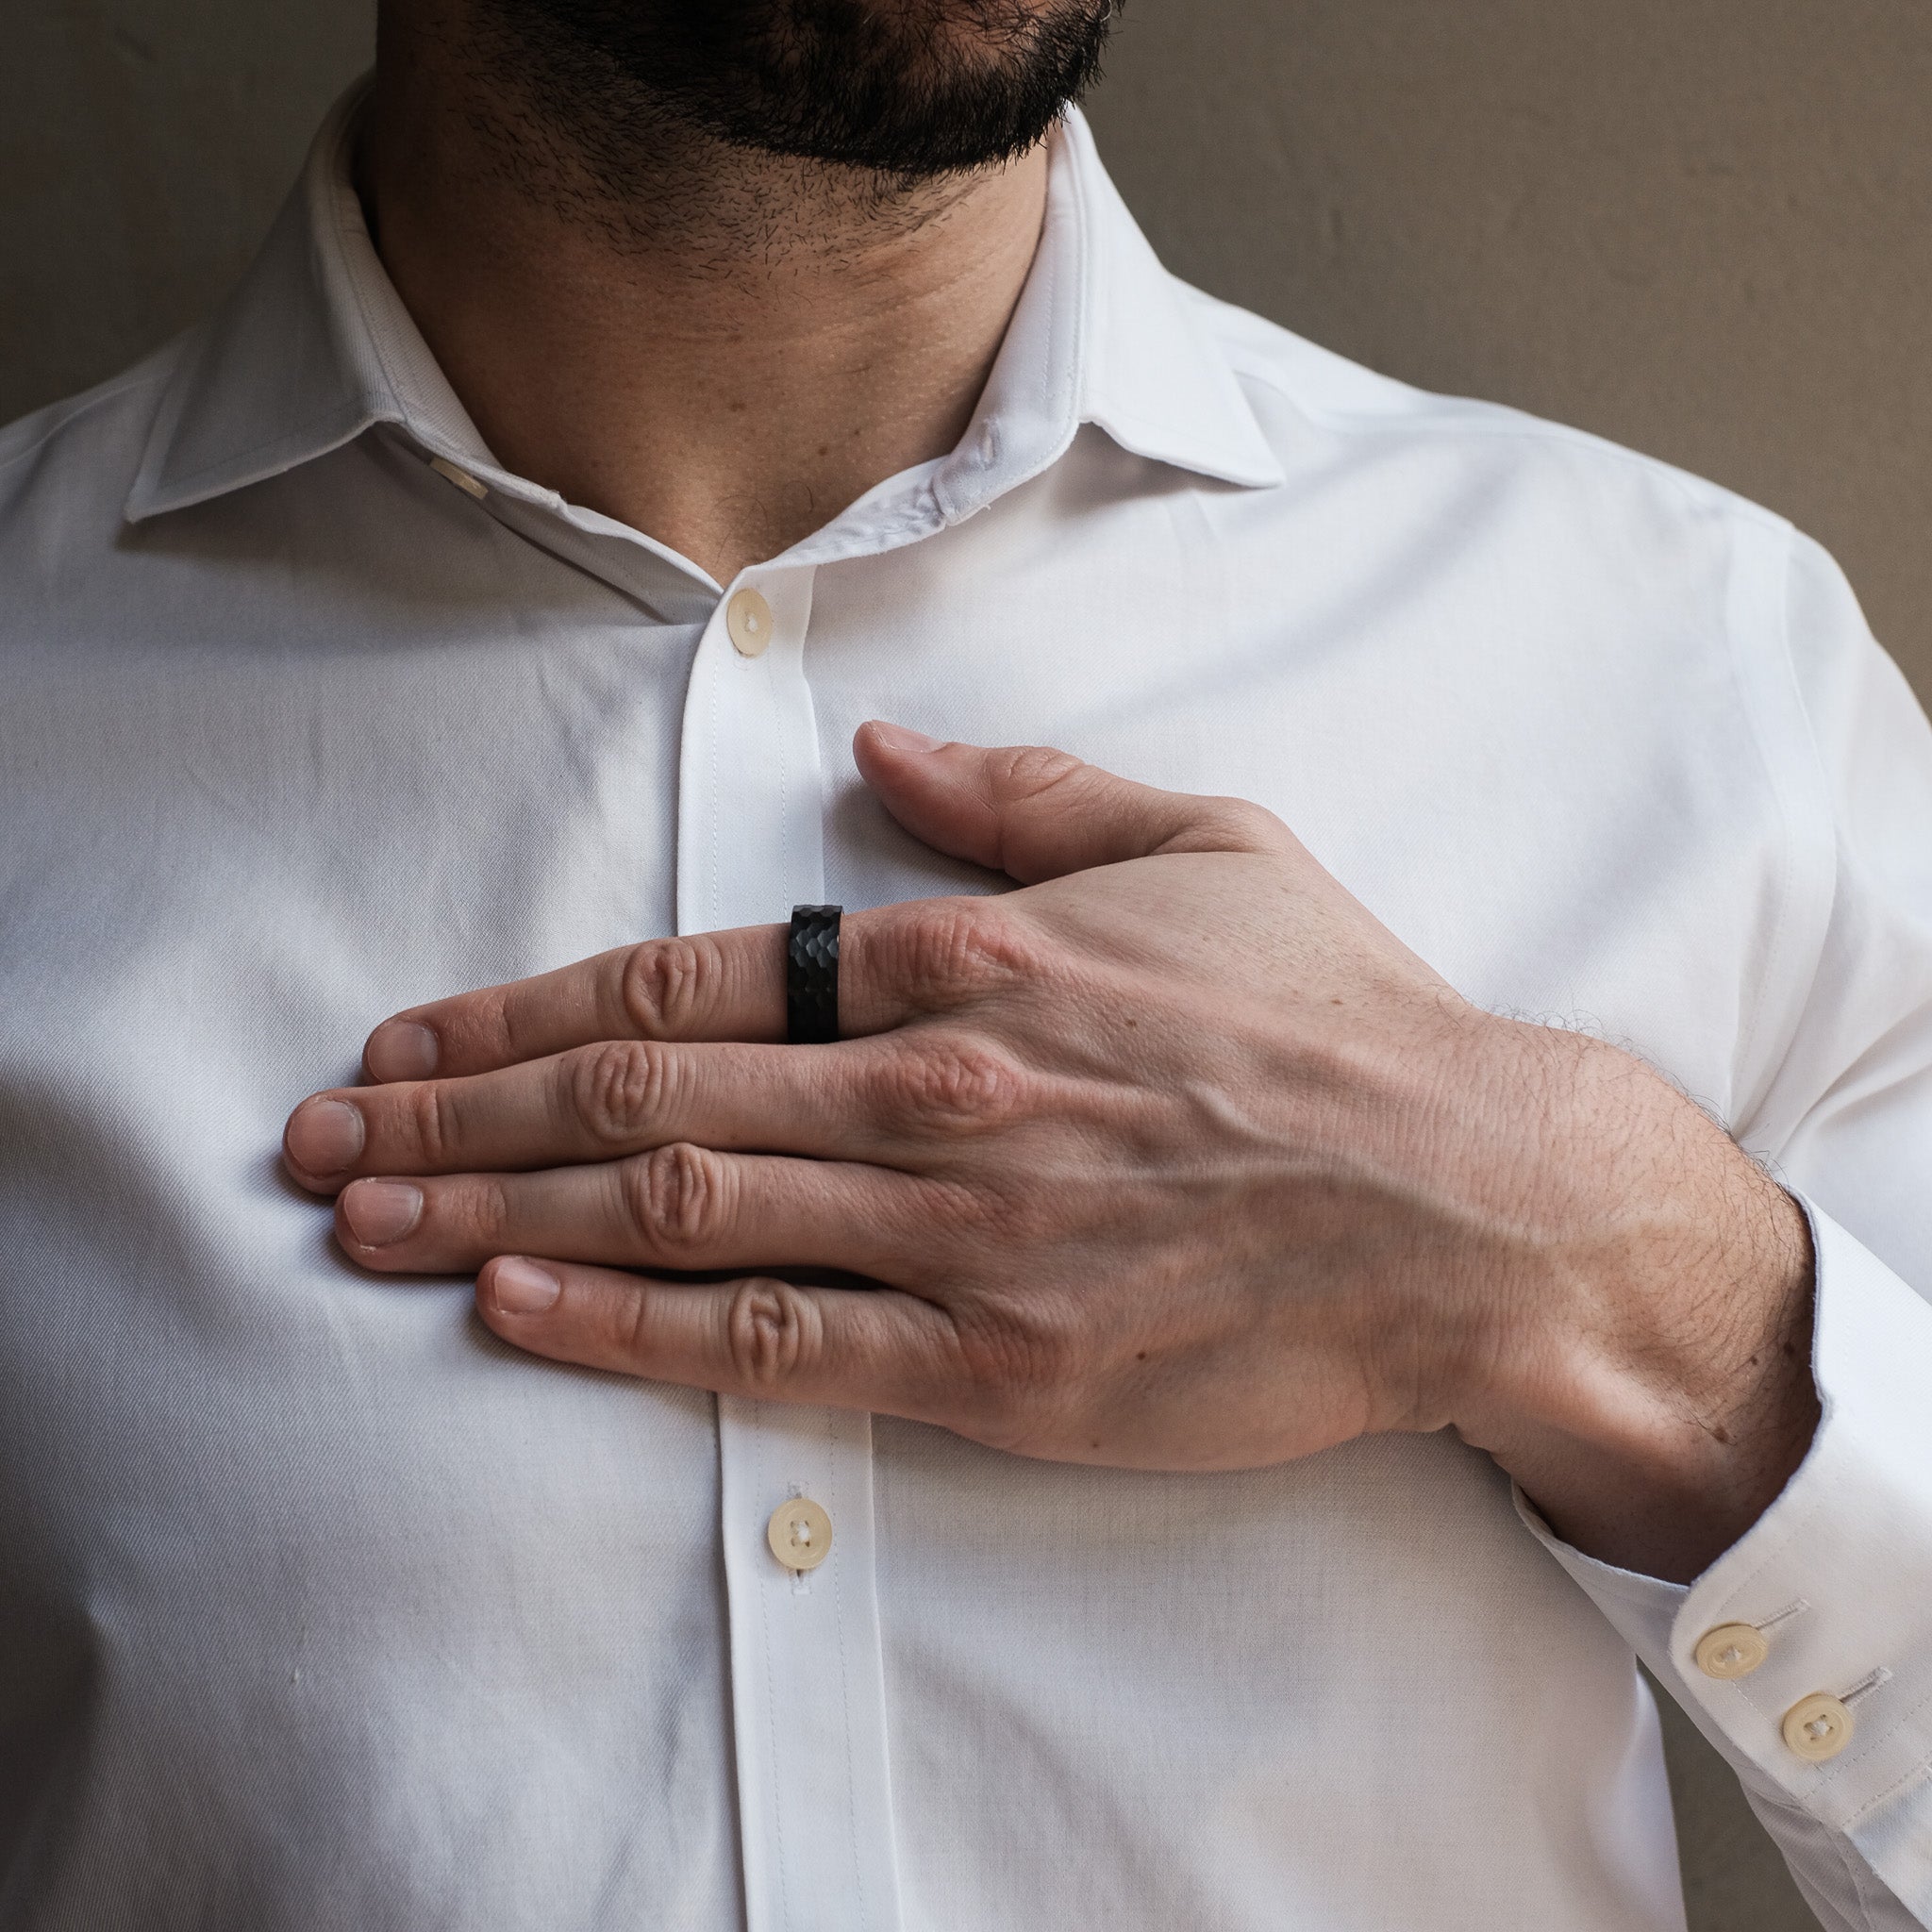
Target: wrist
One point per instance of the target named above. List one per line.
(1653, 1391)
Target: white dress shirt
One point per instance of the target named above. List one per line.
(320, 1608)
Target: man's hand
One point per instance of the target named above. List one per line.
(1173, 1158)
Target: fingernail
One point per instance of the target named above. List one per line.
(324, 1135)
(382, 1211)
(401, 1050)
(903, 738)
(520, 1288)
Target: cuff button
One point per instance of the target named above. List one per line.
(1731, 1650)
(1818, 1727)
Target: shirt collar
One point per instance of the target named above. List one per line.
(314, 348)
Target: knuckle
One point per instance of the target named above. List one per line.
(961, 1212)
(1024, 1345)
(1048, 1354)
(1238, 824)
(676, 1197)
(618, 1087)
(662, 985)
(487, 1023)
(430, 1120)
(956, 1088)
(1023, 1364)
(771, 1331)
(1021, 772)
(1011, 1208)
(479, 1205)
(634, 1331)
(1003, 1417)
(958, 949)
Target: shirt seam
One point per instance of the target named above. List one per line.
(1913, 1774)
(837, 1463)
(1791, 812)
(1900, 1722)
(776, 1784)
(1841, 1851)
(1498, 419)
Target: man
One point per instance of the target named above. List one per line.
(1179, 1414)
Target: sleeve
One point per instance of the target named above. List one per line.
(1805, 1652)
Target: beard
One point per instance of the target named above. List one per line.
(906, 91)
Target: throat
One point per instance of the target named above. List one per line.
(724, 371)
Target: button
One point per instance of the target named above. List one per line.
(462, 478)
(748, 618)
(1732, 1650)
(1818, 1727)
(800, 1533)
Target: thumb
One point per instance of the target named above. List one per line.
(1036, 813)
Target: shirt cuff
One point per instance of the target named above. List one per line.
(1834, 1579)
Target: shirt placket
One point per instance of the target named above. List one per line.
(807, 1678)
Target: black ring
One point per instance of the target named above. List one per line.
(811, 975)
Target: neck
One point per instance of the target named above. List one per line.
(724, 355)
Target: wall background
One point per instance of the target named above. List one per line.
(1695, 226)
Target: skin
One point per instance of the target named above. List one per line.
(1173, 1158)
(726, 357)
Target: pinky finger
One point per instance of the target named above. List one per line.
(758, 1336)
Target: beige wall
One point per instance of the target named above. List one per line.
(1694, 225)
(1697, 226)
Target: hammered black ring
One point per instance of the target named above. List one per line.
(811, 975)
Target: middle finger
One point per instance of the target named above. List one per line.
(594, 1103)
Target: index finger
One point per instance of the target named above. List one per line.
(716, 986)
(712, 985)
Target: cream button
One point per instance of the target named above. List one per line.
(748, 618)
(1732, 1650)
(1818, 1727)
(800, 1533)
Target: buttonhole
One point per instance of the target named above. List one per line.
(1865, 1686)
